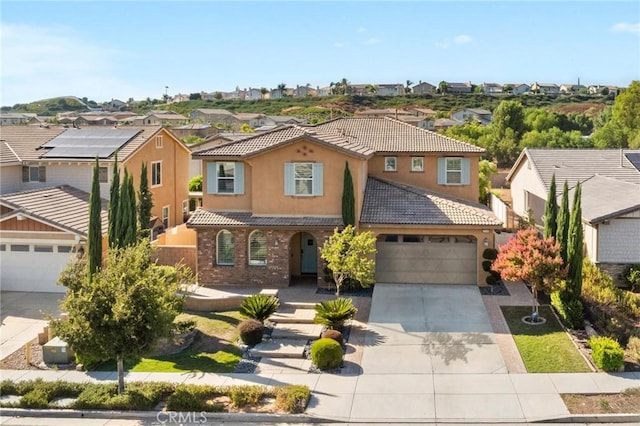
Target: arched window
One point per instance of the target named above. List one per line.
(257, 248)
(225, 248)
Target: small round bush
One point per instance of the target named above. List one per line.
(606, 353)
(251, 331)
(326, 354)
(333, 334)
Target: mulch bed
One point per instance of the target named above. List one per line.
(499, 289)
(18, 360)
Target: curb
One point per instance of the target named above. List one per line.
(596, 418)
(166, 417)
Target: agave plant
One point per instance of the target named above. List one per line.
(259, 306)
(334, 313)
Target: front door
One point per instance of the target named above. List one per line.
(309, 258)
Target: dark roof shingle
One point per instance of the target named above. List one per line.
(205, 218)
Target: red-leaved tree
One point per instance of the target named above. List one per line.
(533, 259)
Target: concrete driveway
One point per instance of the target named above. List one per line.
(432, 329)
(23, 317)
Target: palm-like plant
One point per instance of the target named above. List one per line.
(259, 306)
(334, 313)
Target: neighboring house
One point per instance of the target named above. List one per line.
(426, 123)
(379, 113)
(610, 197)
(40, 232)
(212, 116)
(520, 88)
(281, 120)
(424, 88)
(96, 120)
(277, 93)
(459, 87)
(157, 119)
(201, 130)
(271, 201)
(482, 116)
(545, 88)
(195, 166)
(17, 118)
(303, 91)
(253, 94)
(422, 112)
(180, 97)
(252, 119)
(38, 158)
(445, 123)
(114, 105)
(571, 88)
(492, 88)
(324, 91)
(597, 89)
(394, 89)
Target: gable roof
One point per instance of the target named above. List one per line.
(389, 135)
(20, 143)
(575, 165)
(391, 203)
(604, 198)
(63, 207)
(210, 111)
(284, 135)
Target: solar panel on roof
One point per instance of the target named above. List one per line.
(88, 143)
(634, 158)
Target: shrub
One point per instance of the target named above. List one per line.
(7, 387)
(259, 306)
(334, 313)
(95, 394)
(492, 279)
(631, 276)
(335, 335)
(633, 348)
(570, 311)
(607, 353)
(193, 398)
(246, 395)
(37, 398)
(490, 254)
(251, 331)
(184, 326)
(292, 398)
(486, 265)
(326, 354)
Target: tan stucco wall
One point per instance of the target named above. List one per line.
(175, 174)
(427, 179)
(264, 183)
(178, 236)
(479, 233)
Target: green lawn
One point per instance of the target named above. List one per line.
(213, 351)
(544, 348)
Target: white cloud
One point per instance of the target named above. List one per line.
(362, 30)
(338, 45)
(43, 62)
(442, 44)
(462, 39)
(371, 41)
(626, 27)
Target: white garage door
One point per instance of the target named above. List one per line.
(424, 259)
(33, 267)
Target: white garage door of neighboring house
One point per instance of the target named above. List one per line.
(424, 259)
(33, 267)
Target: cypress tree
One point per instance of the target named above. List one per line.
(131, 231)
(114, 197)
(124, 207)
(551, 211)
(145, 203)
(562, 233)
(348, 198)
(574, 246)
(94, 237)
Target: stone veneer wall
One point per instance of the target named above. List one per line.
(276, 273)
(615, 270)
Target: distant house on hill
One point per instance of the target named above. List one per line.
(424, 88)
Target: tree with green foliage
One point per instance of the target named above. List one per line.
(486, 169)
(532, 259)
(195, 183)
(246, 128)
(122, 312)
(620, 128)
(349, 256)
(348, 198)
(443, 87)
(562, 230)
(94, 234)
(145, 203)
(508, 115)
(114, 209)
(575, 246)
(192, 140)
(127, 221)
(551, 211)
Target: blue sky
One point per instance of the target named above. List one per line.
(123, 49)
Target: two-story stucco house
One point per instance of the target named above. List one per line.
(610, 181)
(45, 180)
(480, 115)
(270, 201)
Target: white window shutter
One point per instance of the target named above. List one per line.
(212, 181)
(288, 179)
(238, 185)
(442, 171)
(318, 179)
(466, 171)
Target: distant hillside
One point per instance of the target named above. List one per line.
(322, 108)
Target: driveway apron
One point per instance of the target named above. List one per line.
(430, 329)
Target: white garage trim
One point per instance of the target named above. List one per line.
(426, 259)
